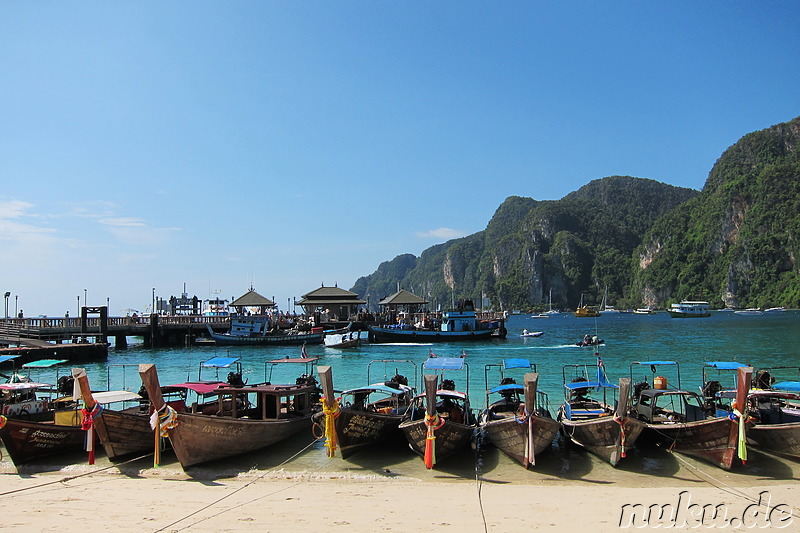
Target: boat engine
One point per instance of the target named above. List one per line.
(65, 384)
(448, 384)
(710, 390)
(235, 380)
(764, 380)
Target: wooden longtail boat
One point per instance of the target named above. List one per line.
(121, 432)
(594, 424)
(367, 415)
(681, 421)
(247, 418)
(520, 428)
(776, 408)
(32, 424)
(439, 422)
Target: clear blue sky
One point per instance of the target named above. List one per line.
(290, 144)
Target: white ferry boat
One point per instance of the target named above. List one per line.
(689, 309)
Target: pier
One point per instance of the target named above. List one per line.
(94, 326)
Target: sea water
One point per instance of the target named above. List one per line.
(769, 340)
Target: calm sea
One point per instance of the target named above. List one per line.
(769, 340)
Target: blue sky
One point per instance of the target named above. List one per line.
(292, 144)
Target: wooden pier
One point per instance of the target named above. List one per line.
(156, 330)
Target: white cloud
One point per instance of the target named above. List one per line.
(441, 234)
(123, 221)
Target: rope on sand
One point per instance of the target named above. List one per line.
(70, 478)
(705, 477)
(200, 510)
(480, 435)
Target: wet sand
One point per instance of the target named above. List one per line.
(295, 486)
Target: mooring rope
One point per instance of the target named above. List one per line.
(231, 494)
(479, 436)
(70, 478)
(721, 485)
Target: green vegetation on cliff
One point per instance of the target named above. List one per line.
(640, 241)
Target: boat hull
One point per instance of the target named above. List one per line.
(274, 340)
(202, 438)
(377, 334)
(602, 436)
(510, 436)
(781, 439)
(714, 441)
(124, 433)
(357, 430)
(451, 438)
(27, 441)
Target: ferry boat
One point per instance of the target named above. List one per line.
(459, 324)
(689, 309)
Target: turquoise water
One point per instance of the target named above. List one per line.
(761, 341)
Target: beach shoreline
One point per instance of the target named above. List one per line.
(84, 498)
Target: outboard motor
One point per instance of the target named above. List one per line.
(764, 380)
(235, 380)
(400, 379)
(65, 385)
(638, 388)
(710, 390)
(448, 384)
(508, 395)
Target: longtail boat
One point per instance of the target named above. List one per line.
(121, 431)
(367, 415)
(520, 427)
(776, 409)
(439, 422)
(681, 420)
(594, 423)
(244, 419)
(37, 419)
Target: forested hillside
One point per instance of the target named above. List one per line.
(735, 244)
(640, 241)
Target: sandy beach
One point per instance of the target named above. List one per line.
(99, 498)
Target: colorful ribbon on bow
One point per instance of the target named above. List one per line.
(621, 422)
(331, 413)
(87, 424)
(741, 420)
(432, 423)
(164, 419)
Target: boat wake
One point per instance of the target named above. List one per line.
(406, 344)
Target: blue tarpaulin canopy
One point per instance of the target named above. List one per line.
(793, 386)
(516, 363)
(219, 362)
(4, 358)
(725, 365)
(510, 386)
(444, 363)
(44, 363)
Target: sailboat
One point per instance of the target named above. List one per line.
(552, 311)
(604, 307)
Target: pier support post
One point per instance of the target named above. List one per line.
(120, 342)
(155, 337)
